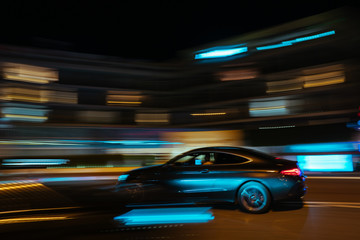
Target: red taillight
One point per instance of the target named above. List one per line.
(291, 172)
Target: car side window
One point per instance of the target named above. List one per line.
(226, 158)
(190, 160)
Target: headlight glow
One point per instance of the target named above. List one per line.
(123, 177)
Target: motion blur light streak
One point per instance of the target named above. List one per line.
(278, 127)
(123, 177)
(297, 40)
(34, 95)
(140, 142)
(324, 82)
(312, 37)
(240, 74)
(208, 114)
(166, 216)
(36, 210)
(22, 117)
(75, 179)
(150, 118)
(280, 45)
(326, 163)
(268, 111)
(266, 108)
(32, 162)
(219, 52)
(24, 112)
(284, 85)
(29, 73)
(32, 219)
(124, 98)
(322, 147)
(23, 94)
(10, 186)
(122, 102)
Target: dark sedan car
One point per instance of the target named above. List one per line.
(242, 176)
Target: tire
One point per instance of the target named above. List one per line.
(253, 197)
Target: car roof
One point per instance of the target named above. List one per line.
(235, 150)
(224, 148)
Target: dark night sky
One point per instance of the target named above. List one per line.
(153, 30)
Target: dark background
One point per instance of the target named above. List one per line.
(147, 30)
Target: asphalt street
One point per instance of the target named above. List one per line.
(63, 208)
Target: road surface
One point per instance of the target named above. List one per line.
(84, 207)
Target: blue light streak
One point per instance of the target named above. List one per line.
(139, 142)
(75, 179)
(123, 177)
(268, 108)
(153, 216)
(312, 37)
(326, 163)
(322, 147)
(220, 52)
(297, 40)
(34, 162)
(280, 45)
(269, 112)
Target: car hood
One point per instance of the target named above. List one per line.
(147, 169)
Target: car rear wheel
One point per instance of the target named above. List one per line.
(253, 197)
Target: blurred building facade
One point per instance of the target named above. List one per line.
(293, 83)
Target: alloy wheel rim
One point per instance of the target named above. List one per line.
(253, 198)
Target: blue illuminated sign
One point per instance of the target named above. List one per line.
(220, 52)
(326, 163)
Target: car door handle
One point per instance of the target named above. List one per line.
(205, 171)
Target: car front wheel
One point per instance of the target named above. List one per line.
(253, 197)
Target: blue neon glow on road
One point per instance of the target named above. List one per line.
(297, 40)
(166, 216)
(326, 163)
(219, 53)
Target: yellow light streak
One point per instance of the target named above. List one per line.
(283, 89)
(152, 121)
(208, 114)
(32, 219)
(24, 98)
(324, 76)
(122, 102)
(29, 185)
(25, 116)
(320, 83)
(26, 78)
(266, 108)
(37, 209)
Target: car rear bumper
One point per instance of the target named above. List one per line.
(298, 190)
(292, 187)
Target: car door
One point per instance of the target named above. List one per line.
(229, 172)
(189, 178)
